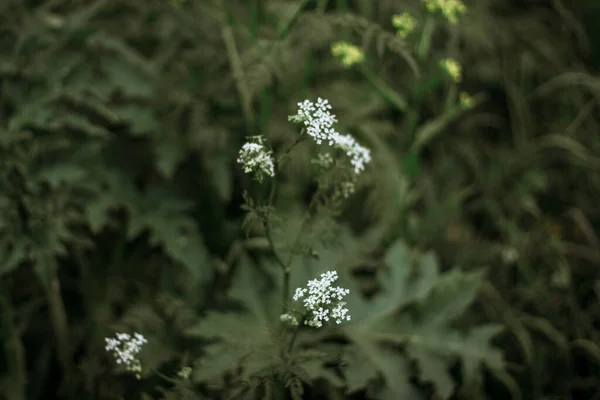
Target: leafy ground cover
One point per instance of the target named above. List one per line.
(162, 174)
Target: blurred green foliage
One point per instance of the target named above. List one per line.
(121, 200)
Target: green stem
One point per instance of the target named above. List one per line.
(287, 151)
(163, 376)
(425, 39)
(15, 384)
(293, 340)
(60, 325)
(286, 25)
(238, 72)
(287, 271)
(389, 94)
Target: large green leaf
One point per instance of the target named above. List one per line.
(245, 339)
(415, 312)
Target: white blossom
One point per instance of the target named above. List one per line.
(317, 119)
(125, 349)
(359, 155)
(256, 159)
(323, 301)
(289, 319)
(319, 122)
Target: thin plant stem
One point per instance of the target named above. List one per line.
(388, 93)
(294, 336)
(163, 376)
(58, 315)
(16, 383)
(285, 265)
(235, 62)
(425, 39)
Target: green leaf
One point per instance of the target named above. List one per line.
(170, 226)
(169, 154)
(62, 173)
(408, 278)
(415, 311)
(257, 292)
(433, 368)
(141, 120)
(358, 371)
(246, 339)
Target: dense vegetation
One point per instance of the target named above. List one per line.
(466, 251)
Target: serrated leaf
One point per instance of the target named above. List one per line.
(169, 155)
(480, 352)
(358, 371)
(415, 313)
(450, 297)
(11, 259)
(170, 226)
(128, 79)
(370, 359)
(246, 336)
(257, 291)
(214, 363)
(433, 368)
(141, 120)
(62, 173)
(407, 279)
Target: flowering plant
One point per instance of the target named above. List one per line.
(125, 349)
(289, 325)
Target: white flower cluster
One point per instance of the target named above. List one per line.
(290, 319)
(359, 155)
(319, 121)
(256, 159)
(125, 349)
(322, 300)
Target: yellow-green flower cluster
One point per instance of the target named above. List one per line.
(450, 9)
(404, 23)
(184, 373)
(348, 53)
(452, 67)
(466, 101)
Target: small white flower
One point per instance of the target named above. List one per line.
(125, 349)
(359, 155)
(256, 159)
(319, 297)
(289, 319)
(316, 118)
(319, 122)
(324, 160)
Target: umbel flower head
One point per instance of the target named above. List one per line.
(125, 349)
(348, 53)
(319, 122)
(404, 23)
(256, 159)
(453, 68)
(450, 9)
(465, 100)
(321, 301)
